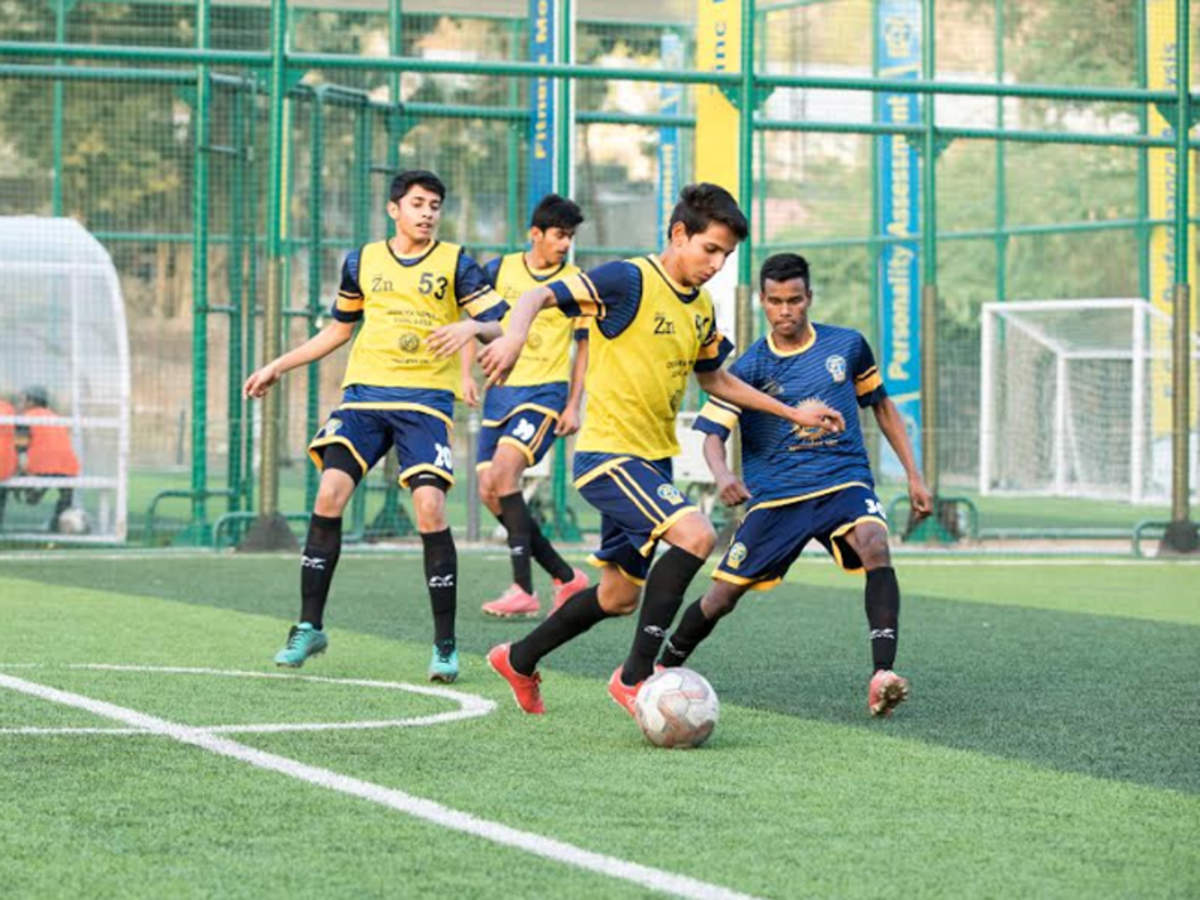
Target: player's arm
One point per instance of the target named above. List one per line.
(346, 313)
(470, 390)
(568, 422)
(717, 421)
(589, 293)
(728, 387)
(316, 347)
(891, 423)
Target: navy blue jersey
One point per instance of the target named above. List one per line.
(781, 461)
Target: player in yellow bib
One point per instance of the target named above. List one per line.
(653, 325)
(540, 401)
(409, 293)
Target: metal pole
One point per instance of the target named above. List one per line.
(1181, 535)
(60, 37)
(1001, 175)
(198, 527)
(929, 302)
(270, 531)
(234, 402)
(315, 218)
(1143, 196)
(564, 526)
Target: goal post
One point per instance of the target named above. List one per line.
(1074, 399)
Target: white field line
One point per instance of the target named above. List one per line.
(470, 706)
(418, 807)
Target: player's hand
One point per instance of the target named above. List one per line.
(731, 490)
(260, 382)
(919, 497)
(470, 392)
(449, 339)
(568, 422)
(815, 414)
(499, 357)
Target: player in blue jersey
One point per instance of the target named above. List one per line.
(805, 483)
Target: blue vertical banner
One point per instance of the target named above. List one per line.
(898, 55)
(670, 98)
(543, 44)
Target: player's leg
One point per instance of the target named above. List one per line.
(441, 570)
(322, 546)
(691, 537)
(699, 620)
(860, 543)
(616, 594)
(503, 479)
(423, 447)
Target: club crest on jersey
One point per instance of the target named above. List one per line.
(332, 427)
(533, 341)
(737, 554)
(409, 343)
(670, 493)
(836, 365)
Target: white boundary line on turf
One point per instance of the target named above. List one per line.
(418, 807)
(470, 706)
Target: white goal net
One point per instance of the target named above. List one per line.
(1075, 400)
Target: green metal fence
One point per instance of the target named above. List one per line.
(153, 124)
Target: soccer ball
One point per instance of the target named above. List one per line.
(73, 521)
(676, 708)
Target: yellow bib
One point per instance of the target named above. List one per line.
(404, 299)
(635, 381)
(546, 356)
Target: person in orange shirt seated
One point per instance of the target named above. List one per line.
(48, 451)
(8, 452)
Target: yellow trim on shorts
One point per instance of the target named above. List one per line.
(592, 474)
(512, 441)
(664, 527)
(786, 501)
(408, 473)
(480, 466)
(632, 499)
(659, 515)
(764, 584)
(599, 563)
(401, 405)
(536, 407)
(540, 435)
(334, 439)
(841, 530)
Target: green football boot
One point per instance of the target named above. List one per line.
(303, 641)
(443, 666)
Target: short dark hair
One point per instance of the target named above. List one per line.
(554, 211)
(423, 177)
(702, 204)
(783, 267)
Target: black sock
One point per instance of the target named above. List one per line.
(546, 556)
(883, 615)
(441, 576)
(693, 628)
(573, 618)
(661, 599)
(321, 550)
(515, 516)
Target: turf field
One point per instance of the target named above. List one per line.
(149, 748)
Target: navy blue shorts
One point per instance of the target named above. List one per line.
(637, 504)
(770, 537)
(530, 430)
(421, 439)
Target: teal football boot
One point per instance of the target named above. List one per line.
(443, 666)
(303, 641)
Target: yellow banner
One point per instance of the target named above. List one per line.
(1161, 71)
(718, 49)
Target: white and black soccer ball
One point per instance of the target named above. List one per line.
(73, 520)
(677, 707)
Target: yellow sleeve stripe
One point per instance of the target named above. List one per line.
(724, 404)
(865, 386)
(585, 295)
(349, 304)
(597, 305)
(711, 348)
(481, 301)
(479, 293)
(719, 414)
(867, 374)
